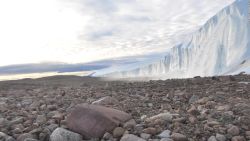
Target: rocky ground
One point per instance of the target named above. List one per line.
(197, 109)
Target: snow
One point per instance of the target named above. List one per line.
(218, 48)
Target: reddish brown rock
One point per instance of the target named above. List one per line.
(94, 121)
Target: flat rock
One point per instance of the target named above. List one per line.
(93, 121)
(130, 137)
(61, 134)
(163, 116)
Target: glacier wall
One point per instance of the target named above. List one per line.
(221, 44)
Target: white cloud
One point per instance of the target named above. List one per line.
(75, 31)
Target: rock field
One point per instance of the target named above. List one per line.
(71, 108)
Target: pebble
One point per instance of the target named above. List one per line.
(164, 134)
(131, 137)
(166, 139)
(212, 138)
(130, 124)
(220, 137)
(145, 136)
(248, 133)
(61, 134)
(150, 130)
(234, 131)
(118, 132)
(41, 119)
(238, 138)
(25, 136)
(179, 137)
(164, 116)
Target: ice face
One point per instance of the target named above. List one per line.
(249, 11)
(220, 45)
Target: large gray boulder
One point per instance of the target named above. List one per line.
(93, 121)
(61, 134)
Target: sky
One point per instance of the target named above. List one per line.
(82, 31)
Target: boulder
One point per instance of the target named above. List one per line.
(61, 134)
(93, 121)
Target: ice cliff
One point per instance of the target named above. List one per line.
(219, 46)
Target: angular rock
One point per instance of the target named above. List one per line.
(61, 134)
(93, 121)
(130, 137)
(164, 134)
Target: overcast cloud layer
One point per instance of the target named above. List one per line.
(78, 31)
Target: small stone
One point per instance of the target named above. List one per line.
(18, 120)
(179, 137)
(150, 130)
(193, 111)
(107, 136)
(238, 138)
(118, 132)
(150, 104)
(213, 123)
(130, 124)
(25, 136)
(193, 99)
(248, 133)
(41, 119)
(164, 134)
(220, 137)
(29, 139)
(234, 131)
(61, 134)
(145, 136)
(164, 116)
(130, 137)
(166, 139)
(192, 119)
(212, 138)
(4, 137)
(223, 108)
(52, 107)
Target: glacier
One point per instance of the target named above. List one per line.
(221, 46)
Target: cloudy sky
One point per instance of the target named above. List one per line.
(79, 31)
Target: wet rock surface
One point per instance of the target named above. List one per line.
(195, 109)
